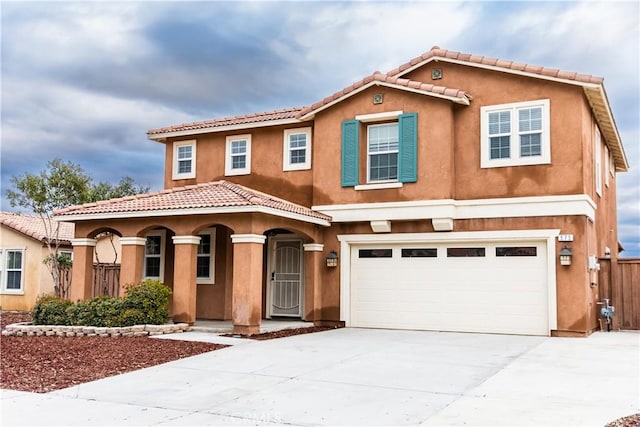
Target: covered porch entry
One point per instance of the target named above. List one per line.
(226, 251)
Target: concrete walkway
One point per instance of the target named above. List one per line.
(363, 377)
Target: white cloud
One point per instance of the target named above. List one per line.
(347, 41)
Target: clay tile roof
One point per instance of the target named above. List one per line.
(211, 195)
(32, 226)
(289, 113)
(437, 52)
(386, 78)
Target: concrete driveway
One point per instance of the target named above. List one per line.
(363, 377)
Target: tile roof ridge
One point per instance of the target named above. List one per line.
(31, 225)
(437, 51)
(385, 78)
(250, 194)
(214, 121)
(132, 197)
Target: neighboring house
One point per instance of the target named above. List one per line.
(23, 248)
(445, 191)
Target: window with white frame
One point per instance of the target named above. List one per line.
(597, 148)
(612, 165)
(607, 165)
(515, 134)
(382, 152)
(205, 265)
(238, 157)
(154, 255)
(297, 149)
(184, 159)
(12, 270)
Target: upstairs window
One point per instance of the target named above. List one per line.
(238, 158)
(391, 150)
(184, 159)
(297, 149)
(597, 148)
(382, 152)
(515, 134)
(11, 271)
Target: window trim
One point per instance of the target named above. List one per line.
(212, 258)
(176, 175)
(4, 270)
(383, 181)
(607, 165)
(163, 242)
(286, 150)
(597, 147)
(228, 164)
(516, 159)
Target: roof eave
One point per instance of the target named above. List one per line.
(162, 137)
(597, 98)
(463, 100)
(493, 68)
(193, 211)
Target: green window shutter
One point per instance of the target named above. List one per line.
(350, 137)
(408, 150)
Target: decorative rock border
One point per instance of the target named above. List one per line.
(26, 329)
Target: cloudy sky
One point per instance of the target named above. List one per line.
(84, 81)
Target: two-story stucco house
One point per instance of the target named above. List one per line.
(444, 191)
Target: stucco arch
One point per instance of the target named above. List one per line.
(102, 230)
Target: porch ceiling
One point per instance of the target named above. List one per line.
(216, 197)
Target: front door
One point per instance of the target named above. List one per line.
(285, 295)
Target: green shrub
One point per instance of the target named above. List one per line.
(50, 310)
(146, 302)
(98, 311)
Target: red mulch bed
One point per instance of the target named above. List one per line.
(630, 421)
(43, 364)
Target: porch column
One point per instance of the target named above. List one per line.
(184, 278)
(82, 272)
(132, 262)
(313, 265)
(247, 282)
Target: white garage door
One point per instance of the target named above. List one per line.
(478, 287)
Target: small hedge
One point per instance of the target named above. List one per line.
(144, 303)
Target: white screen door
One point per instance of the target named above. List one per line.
(286, 279)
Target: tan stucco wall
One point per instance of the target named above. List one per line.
(36, 277)
(266, 164)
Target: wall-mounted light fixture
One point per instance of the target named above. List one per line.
(332, 259)
(565, 256)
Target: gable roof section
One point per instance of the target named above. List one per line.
(378, 79)
(593, 87)
(270, 118)
(32, 226)
(216, 197)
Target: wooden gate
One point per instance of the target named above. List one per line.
(106, 280)
(620, 282)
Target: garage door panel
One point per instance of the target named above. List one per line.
(490, 293)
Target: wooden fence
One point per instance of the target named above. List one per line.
(106, 280)
(620, 283)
